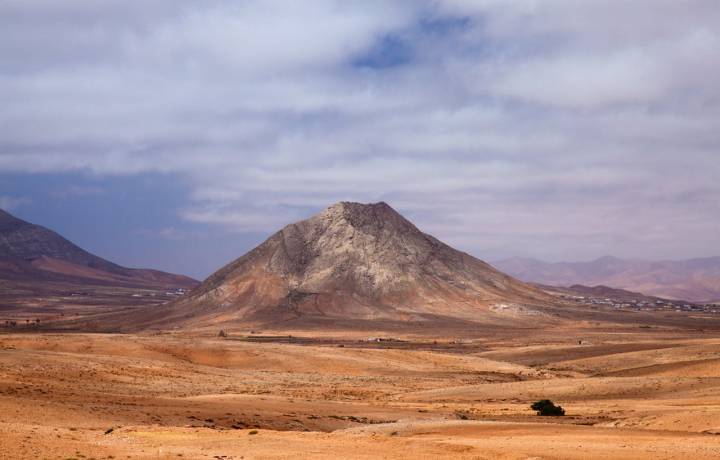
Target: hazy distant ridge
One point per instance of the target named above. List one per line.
(696, 280)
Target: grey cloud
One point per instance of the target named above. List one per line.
(534, 127)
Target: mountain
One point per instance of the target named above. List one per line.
(695, 280)
(31, 253)
(354, 262)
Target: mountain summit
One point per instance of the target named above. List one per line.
(353, 261)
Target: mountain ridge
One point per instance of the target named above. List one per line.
(32, 252)
(696, 280)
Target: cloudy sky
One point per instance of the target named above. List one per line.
(177, 134)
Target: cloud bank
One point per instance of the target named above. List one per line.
(557, 129)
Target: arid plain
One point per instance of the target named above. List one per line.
(629, 392)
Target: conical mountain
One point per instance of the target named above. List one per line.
(353, 261)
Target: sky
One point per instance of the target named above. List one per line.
(178, 134)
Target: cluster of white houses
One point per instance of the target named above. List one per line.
(645, 305)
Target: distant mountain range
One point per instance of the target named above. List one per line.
(30, 253)
(695, 280)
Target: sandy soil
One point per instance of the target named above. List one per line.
(628, 395)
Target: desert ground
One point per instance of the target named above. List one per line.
(629, 393)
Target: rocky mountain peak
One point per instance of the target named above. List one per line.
(365, 216)
(351, 243)
(355, 260)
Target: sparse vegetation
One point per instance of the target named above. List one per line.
(546, 407)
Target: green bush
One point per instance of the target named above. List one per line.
(546, 407)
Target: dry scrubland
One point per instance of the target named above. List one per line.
(629, 393)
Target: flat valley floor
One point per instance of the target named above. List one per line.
(629, 393)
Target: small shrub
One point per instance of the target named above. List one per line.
(545, 407)
(253, 432)
(222, 333)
